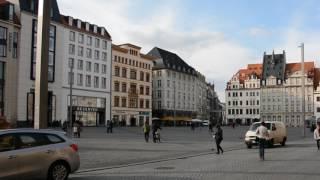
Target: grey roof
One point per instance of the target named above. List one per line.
(274, 65)
(169, 60)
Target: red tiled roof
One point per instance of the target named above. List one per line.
(294, 67)
(251, 69)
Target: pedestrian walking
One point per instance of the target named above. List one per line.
(146, 131)
(316, 135)
(108, 126)
(156, 132)
(210, 127)
(75, 129)
(262, 134)
(219, 138)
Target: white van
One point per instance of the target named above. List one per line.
(277, 133)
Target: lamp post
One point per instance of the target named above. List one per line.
(303, 89)
(70, 97)
(174, 104)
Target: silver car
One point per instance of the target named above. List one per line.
(33, 154)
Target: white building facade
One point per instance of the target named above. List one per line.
(88, 52)
(91, 100)
(9, 45)
(174, 99)
(243, 96)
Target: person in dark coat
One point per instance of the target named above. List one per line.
(219, 138)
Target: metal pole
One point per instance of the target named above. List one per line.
(70, 97)
(41, 79)
(174, 104)
(303, 89)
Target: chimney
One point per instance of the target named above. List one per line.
(79, 23)
(102, 31)
(70, 20)
(95, 27)
(87, 26)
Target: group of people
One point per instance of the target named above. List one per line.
(155, 132)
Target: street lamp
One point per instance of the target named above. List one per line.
(70, 97)
(303, 89)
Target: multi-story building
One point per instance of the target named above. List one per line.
(316, 94)
(214, 108)
(69, 39)
(281, 89)
(27, 14)
(174, 88)
(201, 97)
(131, 85)
(88, 53)
(9, 34)
(243, 96)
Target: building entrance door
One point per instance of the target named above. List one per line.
(133, 121)
(101, 121)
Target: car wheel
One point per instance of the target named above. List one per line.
(58, 171)
(249, 146)
(283, 143)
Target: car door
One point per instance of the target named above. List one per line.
(9, 166)
(35, 155)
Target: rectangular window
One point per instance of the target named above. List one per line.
(103, 83)
(141, 90)
(141, 103)
(88, 66)
(124, 87)
(72, 36)
(15, 45)
(104, 69)
(80, 51)
(89, 53)
(71, 49)
(105, 44)
(96, 67)
(88, 80)
(159, 83)
(96, 54)
(116, 101)
(116, 86)
(133, 74)
(147, 77)
(117, 71)
(96, 82)
(89, 40)
(80, 64)
(80, 80)
(147, 90)
(52, 51)
(71, 63)
(104, 56)
(124, 72)
(318, 99)
(141, 76)
(147, 103)
(97, 43)
(124, 102)
(81, 37)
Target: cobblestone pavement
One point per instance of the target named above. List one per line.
(298, 160)
(127, 146)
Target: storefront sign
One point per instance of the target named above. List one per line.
(86, 109)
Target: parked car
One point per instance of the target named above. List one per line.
(32, 154)
(277, 133)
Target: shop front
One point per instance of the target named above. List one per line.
(90, 111)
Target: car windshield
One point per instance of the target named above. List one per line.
(254, 126)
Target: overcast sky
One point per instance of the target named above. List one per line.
(215, 37)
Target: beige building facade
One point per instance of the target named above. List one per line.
(131, 86)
